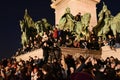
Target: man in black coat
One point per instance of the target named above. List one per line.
(45, 48)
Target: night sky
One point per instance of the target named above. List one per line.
(11, 11)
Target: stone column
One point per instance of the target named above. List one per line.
(75, 6)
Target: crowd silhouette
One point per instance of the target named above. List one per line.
(67, 68)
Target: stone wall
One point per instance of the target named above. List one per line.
(76, 52)
(26, 56)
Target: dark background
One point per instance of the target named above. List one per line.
(11, 11)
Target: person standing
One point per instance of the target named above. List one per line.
(45, 48)
(111, 42)
(55, 34)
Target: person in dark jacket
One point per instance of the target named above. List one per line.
(45, 48)
(47, 73)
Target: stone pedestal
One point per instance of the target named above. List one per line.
(75, 6)
(26, 56)
(107, 52)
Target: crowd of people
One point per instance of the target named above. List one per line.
(57, 66)
(62, 38)
(66, 38)
(68, 68)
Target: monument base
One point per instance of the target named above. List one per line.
(107, 52)
(103, 53)
(76, 52)
(26, 56)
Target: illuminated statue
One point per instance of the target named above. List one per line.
(28, 19)
(46, 25)
(67, 21)
(39, 26)
(107, 22)
(115, 24)
(27, 28)
(103, 26)
(30, 29)
(81, 26)
(24, 38)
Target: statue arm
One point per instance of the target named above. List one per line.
(71, 17)
(62, 20)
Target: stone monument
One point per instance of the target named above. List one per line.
(76, 6)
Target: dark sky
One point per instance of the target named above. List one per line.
(11, 11)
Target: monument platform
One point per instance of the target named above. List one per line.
(76, 52)
(107, 52)
(26, 56)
